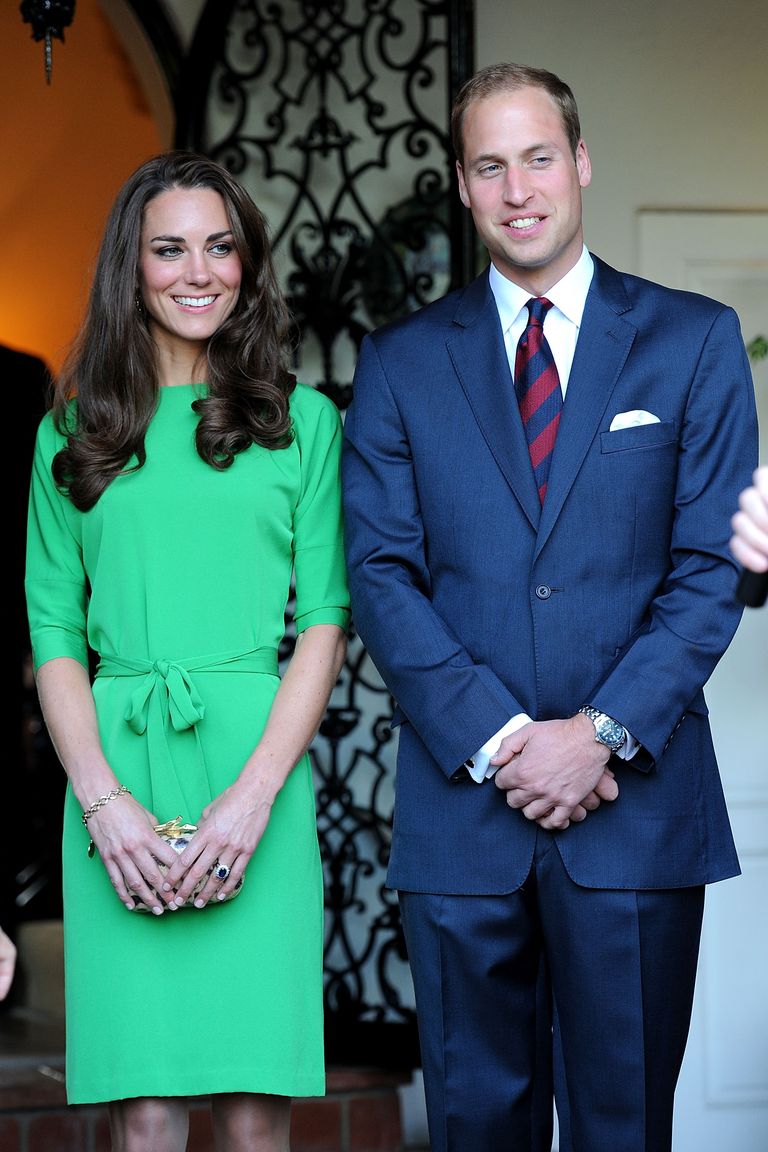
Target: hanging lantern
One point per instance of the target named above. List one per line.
(48, 18)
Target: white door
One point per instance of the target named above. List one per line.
(722, 1100)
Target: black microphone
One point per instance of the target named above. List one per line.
(752, 589)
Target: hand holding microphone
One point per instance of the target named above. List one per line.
(749, 542)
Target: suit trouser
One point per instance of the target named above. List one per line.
(622, 967)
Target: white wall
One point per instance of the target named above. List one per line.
(673, 99)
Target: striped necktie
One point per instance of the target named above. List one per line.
(537, 386)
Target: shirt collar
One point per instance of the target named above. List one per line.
(569, 295)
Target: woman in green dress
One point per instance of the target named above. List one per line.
(181, 482)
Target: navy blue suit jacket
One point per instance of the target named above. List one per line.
(476, 604)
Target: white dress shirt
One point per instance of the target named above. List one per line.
(561, 327)
(561, 323)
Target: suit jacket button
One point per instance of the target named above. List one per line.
(543, 591)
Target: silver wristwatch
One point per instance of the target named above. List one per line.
(607, 730)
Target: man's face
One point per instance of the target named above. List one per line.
(523, 186)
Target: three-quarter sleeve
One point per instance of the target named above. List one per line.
(322, 596)
(55, 578)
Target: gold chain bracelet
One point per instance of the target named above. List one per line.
(102, 800)
(97, 804)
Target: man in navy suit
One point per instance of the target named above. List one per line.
(546, 639)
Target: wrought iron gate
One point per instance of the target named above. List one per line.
(335, 116)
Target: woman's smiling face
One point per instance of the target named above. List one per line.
(189, 269)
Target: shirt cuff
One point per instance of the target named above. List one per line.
(628, 748)
(478, 766)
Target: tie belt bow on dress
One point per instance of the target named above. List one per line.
(167, 692)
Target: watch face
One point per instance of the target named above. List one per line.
(609, 732)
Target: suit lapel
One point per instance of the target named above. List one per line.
(476, 348)
(603, 345)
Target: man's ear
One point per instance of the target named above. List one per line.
(583, 164)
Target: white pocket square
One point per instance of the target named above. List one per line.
(633, 419)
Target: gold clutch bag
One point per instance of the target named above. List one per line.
(178, 835)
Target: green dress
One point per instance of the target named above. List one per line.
(178, 578)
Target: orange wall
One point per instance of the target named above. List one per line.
(64, 151)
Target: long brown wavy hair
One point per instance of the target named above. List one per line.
(110, 371)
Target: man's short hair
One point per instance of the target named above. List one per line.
(498, 78)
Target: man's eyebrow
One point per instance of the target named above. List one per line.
(531, 150)
(484, 156)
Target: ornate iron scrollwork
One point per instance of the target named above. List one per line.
(334, 115)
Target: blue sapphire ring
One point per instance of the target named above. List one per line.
(221, 871)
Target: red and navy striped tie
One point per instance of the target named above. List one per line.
(537, 386)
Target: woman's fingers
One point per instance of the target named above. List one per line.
(131, 886)
(195, 870)
(212, 872)
(223, 879)
(132, 852)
